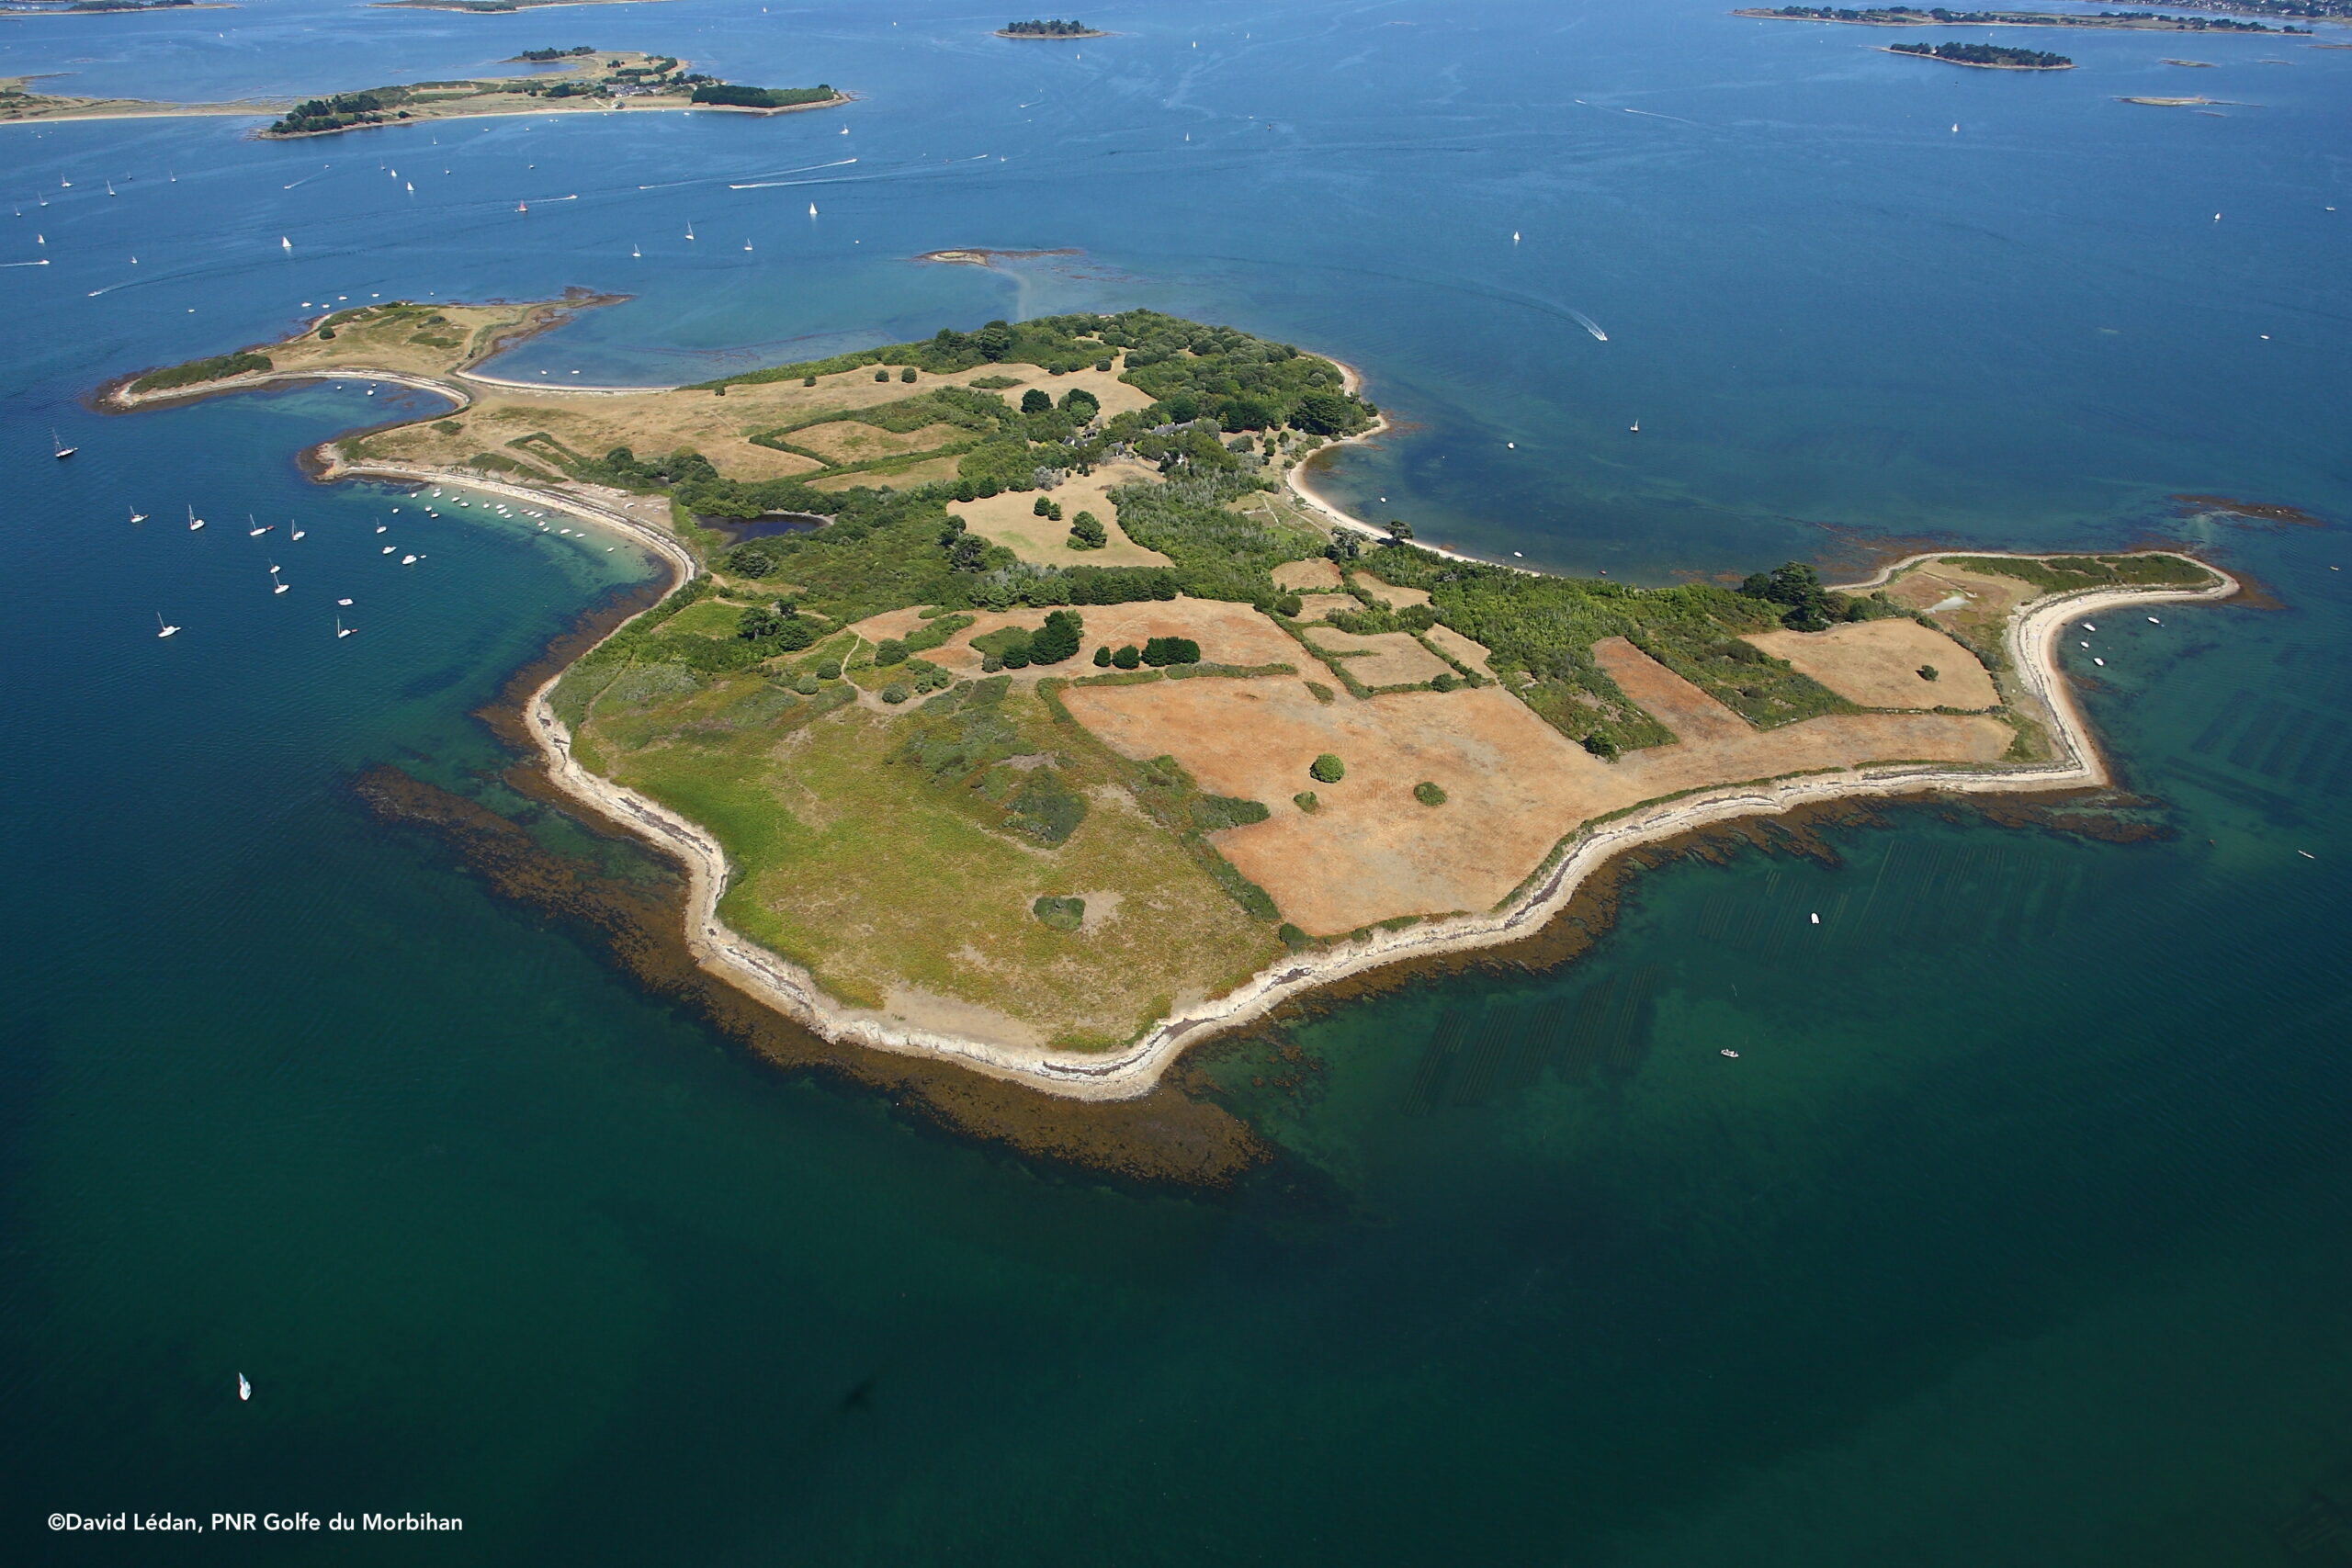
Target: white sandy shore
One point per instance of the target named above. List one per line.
(1135, 1068)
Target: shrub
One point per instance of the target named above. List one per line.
(1292, 937)
(990, 664)
(1304, 800)
(1601, 747)
(807, 380)
(1165, 650)
(894, 694)
(1127, 658)
(1289, 605)
(1211, 812)
(1102, 364)
(1036, 400)
(1062, 914)
(1927, 672)
(881, 375)
(1429, 793)
(1102, 657)
(1014, 658)
(1059, 639)
(1087, 533)
(1443, 683)
(831, 670)
(908, 373)
(889, 651)
(806, 685)
(1328, 769)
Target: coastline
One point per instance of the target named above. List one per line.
(1139, 1067)
(277, 108)
(1972, 64)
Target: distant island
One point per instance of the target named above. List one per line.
(1908, 16)
(589, 79)
(1016, 703)
(490, 7)
(1985, 56)
(1049, 28)
(107, 8)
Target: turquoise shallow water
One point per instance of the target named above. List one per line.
(2014, 1234)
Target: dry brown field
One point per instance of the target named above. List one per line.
(1877, 663)
(1228, 634)
(1009, 520)
(1384, 658)
(1314, 575)
(1977, 603)
(1515, 786)
(1315, 607)
(1472, 654)
(1395, 598)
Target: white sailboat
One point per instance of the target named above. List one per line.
(58, 448)
(340, 629)
(294, 532)
(1637, 428)
(109, 187)
(813, 210)
(286, 244)
(636, 255)
(689, 229)
(244, 1389)
(258, 529)
(194, 521)
(276, 586)
(747, 245)
(345, 603)
(137, 515)
(162, 629)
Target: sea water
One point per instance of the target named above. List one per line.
(2013, 1233)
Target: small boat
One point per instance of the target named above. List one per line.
(2082, 645)
(747, 245)
(2100, 662)
(244, 1389)
(109, 187)
(635, 253)
(813, 210)
(137, 515)
(1510, 446)
(194, 521)
(1514, 236)
(58, 448)
(286, 244)
(521, 207)
(1727, 1051)
(2305, 853)
(276, 586)
(258, 529)
(2154, 622)
(2088, 628)
(345, 603)
(162, 629)
(1816, 919)
(408, 560)
(381, 526)
(340, 629)
(387, 550)
(690, 231)
(1637, 428)
(294, 533)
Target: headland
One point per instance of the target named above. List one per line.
(1007, 709)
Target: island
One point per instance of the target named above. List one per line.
(585, 79)
(1910, 16)
(490, 7)
(1016, 703)
(1055, 28)
(1984, 56)
(107, 8)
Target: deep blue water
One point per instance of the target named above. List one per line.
(2014, 1234)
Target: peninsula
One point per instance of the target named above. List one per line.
(1015, 705)
(1909, 17)
(1984, 56)
(581, 79)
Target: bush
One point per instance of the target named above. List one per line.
(1927, 672)
(1165, 650)
(1429, 793)
(1292, 937)
(1601, 747)
(1036, 400)
(1102, 657)
(1304, 800)
(831, 670)
(908, 373)
(881, 375)
(807, 380)
(1059, 639)
(1087, 533)
(1328, 769)
(894, 694)
(806, 685)
(1062, 914)
(889, 651)
(1127, 658)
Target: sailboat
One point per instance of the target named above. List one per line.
(276, 586)
(747, 245)
(244, 1389)
(162, 629)
(813, 210)
(340, 629)
(258, 529)
(59, 447)
(293, 531)
(286, 243)
(194, 521)
(137, 515)
(1637, 428)
(345, 603)
(109, 187)
(634, 253)
(689, 229)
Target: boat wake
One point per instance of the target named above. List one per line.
(1586, 322)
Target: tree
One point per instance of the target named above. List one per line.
(1102, 657)
(1058, 638)
(1044, 507)
(1399, 529)
(1325, 414)
(1796, 588)
(1087, 533)
(908, 373)
(1328, 769)
(1081, 402)
(995, 340)
(1127, 658)
(1036, 400)
(1429, 793)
